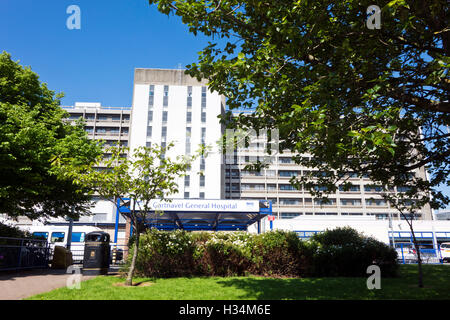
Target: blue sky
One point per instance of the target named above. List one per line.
(95, 63)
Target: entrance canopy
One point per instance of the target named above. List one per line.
(217, 215)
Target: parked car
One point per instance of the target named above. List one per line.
(445, 251)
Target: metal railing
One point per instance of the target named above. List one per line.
(407, 254)
(118, 253)
(23, 253)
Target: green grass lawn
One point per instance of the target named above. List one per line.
(436, 281)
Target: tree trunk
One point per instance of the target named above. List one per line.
(129, 281)
(419, 260)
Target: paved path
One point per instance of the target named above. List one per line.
(23, 284)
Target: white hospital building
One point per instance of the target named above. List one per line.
(171, 107)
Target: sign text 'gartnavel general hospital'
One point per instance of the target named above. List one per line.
(206, 205)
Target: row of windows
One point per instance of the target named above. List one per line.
(106, 130)
(187, 180)
(290, 187)
(100, 117)
(295, 173)
(201, 195)
(111, 143)
(319, 202)
(59, 236)
(378, 216)
(281, 173)
(151, 95)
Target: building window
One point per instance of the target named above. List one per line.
(166, 96)
(351, 202)
(287, 187)
(352, 188)
(289, 215)
(379, 216)
(149, 131)
(203, 116)
(187, 181)
(150, 116)
(203, 137)
(376, 202)
(202, 181)
(352, 175)
(290, 202)
(203, 97)
(188, 117)
(373, 188)
(189, 96)
(188, 140)
(151, 96)
(164, 116)
(148, 144)
(202, 195)
(186, 195)
(351, 214)
(288, 173)
(324, 202)
(285, 160)
(202, 163)
(163, 133)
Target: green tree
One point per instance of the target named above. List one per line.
(33, 134)
(144, 175)
(369, 101)
(11, 231)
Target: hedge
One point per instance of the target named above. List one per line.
(338, 252)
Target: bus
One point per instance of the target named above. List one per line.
(58, 236)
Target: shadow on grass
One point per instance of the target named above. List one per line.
(300, 289)
(436, 280)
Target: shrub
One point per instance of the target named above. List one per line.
(165, 254)
(345, 252)
(338, 237)
(224, 254)
(279, 253)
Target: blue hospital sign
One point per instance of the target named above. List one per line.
(207, 205)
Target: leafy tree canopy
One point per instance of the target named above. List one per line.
(370, 101)
(33, 134)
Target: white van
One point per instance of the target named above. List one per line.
(445, 251)
(58, 235)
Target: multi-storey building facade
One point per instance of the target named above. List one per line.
(111, 125)
(171, 107)
(273, 183)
